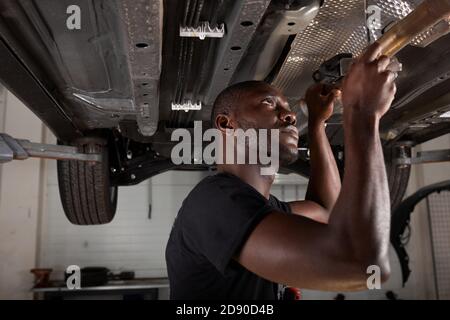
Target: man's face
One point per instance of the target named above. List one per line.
(265, 107)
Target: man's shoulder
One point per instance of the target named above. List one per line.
(213, 184)
(223, 190)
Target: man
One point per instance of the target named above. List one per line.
(233, 240)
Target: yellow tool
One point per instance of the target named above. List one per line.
(425, 16)
(428, 14)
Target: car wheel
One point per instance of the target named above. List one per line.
(87, 196)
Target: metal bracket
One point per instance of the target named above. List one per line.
(426, 157)
(203, 31)
(16, 149)
(333, 69)
(445, 115)
(186, 106)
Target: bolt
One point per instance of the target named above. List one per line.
(129, 154)
(133, 177)
(113, 170)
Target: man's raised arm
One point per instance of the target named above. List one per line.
(324, 181)
(297, 251)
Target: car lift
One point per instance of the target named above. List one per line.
(18, 149)
(422, 157)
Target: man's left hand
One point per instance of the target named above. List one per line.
(320, 100)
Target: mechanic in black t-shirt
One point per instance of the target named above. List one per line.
(233, 240)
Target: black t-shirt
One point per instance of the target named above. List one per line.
(211, 227)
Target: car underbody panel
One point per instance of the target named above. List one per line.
(113, 79)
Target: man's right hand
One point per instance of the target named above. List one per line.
(297, 251)
(369, 88)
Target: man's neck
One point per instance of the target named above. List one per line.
(250, 174)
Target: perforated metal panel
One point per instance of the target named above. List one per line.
(391, 12)
(394, 10)
(339, 27)
(439, 211)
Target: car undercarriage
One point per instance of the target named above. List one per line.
(120, 79)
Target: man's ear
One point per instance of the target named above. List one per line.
(224, 122)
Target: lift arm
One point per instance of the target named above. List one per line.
(17, 149)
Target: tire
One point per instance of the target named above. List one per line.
(85, 190)
(398, 175)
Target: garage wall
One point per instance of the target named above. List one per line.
(19, 203)
(132, 241)
(420, 250)
(2, 117)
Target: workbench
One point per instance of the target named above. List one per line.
(137, 289)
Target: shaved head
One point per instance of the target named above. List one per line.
(229, 98)
(257, 105)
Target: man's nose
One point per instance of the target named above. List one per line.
(288, 117)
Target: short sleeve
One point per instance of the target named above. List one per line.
(219, 216)
(280, 205)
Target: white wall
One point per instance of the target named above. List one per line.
(19, 204)
(422, 276)
(131, 241)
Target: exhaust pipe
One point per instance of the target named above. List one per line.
(425, 16)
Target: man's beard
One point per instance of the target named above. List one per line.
(287, 155)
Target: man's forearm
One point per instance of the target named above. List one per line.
(324, 181)
(361, 216)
